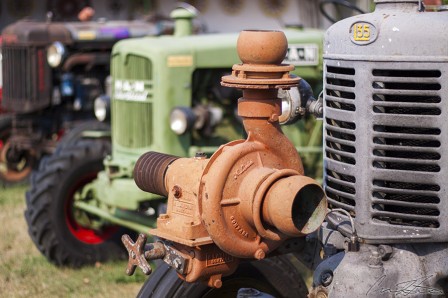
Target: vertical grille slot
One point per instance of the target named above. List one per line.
(340, 190)
(339, 143)
(26, 78)
(133, 131)
(141, 68)
(339, 88)
(406, 148)
(410, 92)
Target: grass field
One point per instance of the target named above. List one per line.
(24, 272)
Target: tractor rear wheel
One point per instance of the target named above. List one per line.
(64, 234)
(276, 276)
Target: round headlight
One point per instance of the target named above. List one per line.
(181, 120)
(101, 107)
(55, 54)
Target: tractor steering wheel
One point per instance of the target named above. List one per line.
(324, 4)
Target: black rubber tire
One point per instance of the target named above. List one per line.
(60, 175)
(276, 276)
(76, 133)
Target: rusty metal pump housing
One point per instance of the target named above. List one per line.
(251, 195)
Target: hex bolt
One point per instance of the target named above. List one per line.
(177, 191)
(375, 260)
(260, 254)
(321, 295)
(326, 278)
(385, 251)
(301, 111)
(200, 155)
(177, 263)
(164, 216)
(273, 118)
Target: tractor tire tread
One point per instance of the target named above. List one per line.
(41, 196)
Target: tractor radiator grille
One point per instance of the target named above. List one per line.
(340, 190)
(384, 132)
(131, 117)
(26, 78)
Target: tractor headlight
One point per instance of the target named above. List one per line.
(55, 54)
(291, 106)
(182, 119)
(101, 107)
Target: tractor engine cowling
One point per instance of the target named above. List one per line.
(250, 196)
(385, 130)
(385, 123)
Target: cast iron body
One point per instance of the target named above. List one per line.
(251, 195)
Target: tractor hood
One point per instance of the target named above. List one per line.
(42, 33)
(394, 30)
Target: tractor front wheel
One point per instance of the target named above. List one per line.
(15, 164)
(64, 234)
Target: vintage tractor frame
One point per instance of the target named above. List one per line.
(52, 73)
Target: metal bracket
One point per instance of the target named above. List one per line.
(175, 259)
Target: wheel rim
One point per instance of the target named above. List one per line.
(14, 171)
(78, 230)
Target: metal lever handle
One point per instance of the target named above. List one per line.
(136, 254)
(140, 253)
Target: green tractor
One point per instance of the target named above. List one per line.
(166, 97)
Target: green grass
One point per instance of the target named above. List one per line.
(24, 272)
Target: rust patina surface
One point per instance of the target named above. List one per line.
(251, 195)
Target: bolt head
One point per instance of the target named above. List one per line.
(200, 155)
(321, 295)
(177, 191)
(177, 264)
(260, 254)
(164, 216)
(326, 279)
